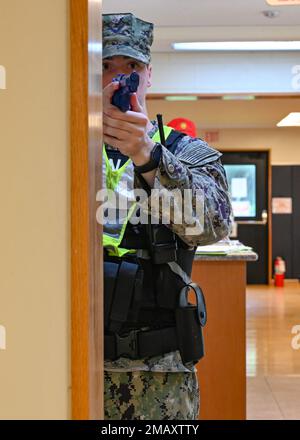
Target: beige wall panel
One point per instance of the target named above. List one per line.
(241, 124)
(284, 143)
(35, 207)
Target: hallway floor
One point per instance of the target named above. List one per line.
(273, 357)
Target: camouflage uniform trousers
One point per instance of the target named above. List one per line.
(146, 395)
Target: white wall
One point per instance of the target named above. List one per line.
(250, 72)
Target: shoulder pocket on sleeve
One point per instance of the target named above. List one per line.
(198, 153)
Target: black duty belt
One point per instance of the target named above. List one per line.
(140, 343)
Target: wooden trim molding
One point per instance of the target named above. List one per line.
(270, 228)
(86, 256)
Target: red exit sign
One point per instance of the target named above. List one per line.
(211, 136)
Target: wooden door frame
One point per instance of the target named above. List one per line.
(86, 246)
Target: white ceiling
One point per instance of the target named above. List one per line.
(205, 12)
(192, 20)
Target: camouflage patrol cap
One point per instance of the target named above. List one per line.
(125, 34)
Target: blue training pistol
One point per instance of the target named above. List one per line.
(128, 85)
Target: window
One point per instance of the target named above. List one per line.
(242, 187)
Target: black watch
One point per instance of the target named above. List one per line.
(153, 162)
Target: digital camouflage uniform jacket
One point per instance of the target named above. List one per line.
(193, 165)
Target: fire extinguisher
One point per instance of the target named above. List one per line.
(279, 271)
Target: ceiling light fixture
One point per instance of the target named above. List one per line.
(283, 2)
(181, 98)
(291, 120)
(237, 45)
(238, 97)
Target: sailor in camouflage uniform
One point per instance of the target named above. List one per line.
(158, 387)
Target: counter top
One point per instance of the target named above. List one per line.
(239, 256)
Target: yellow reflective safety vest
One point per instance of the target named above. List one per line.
(121, 182)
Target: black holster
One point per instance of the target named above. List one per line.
(189, 322)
